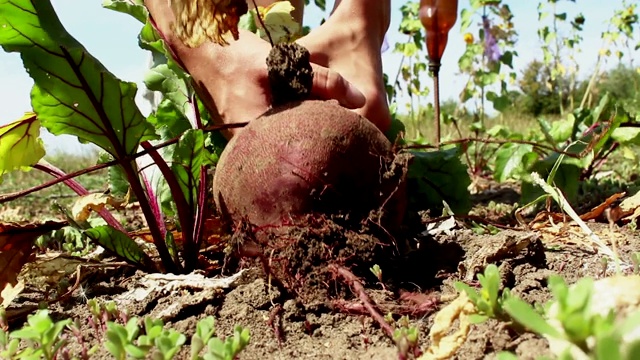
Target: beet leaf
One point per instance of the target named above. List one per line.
(119, 243)
(74, 93)
(134, 8)
(20, 144)
(438, 176)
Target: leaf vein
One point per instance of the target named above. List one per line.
(23, 9)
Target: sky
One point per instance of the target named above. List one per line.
(111, 38)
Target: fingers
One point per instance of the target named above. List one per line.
(329, 85)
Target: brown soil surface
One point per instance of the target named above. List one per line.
(305, 309)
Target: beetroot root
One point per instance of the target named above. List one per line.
(304, 158)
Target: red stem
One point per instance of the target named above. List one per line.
(185, 212)
(12, 196)
(80, 190)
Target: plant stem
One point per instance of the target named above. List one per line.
(80, 190)
(121, 153)
(191, 259)
(152, 222)
(434, 68)
(262, 23)
(184, 209)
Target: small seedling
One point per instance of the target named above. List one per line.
(405, 337)
(41, 335)
(228, 349)
(593, 335)
(489, 300)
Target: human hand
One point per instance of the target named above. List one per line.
(232, 80)
(349, 43)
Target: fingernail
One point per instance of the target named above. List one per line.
(354, 98)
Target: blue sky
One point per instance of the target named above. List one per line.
(111, 37)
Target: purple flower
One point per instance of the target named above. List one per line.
(491, 48)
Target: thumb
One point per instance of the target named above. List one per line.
(329, 85)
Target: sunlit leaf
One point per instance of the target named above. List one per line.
(134, 8)
(626, 135)
(20, 144)
(524, 314)
(509, 160)
(73, 93)
(149, 39)
(164, 79)
(120, 244)
(279, 22)
(16, 245)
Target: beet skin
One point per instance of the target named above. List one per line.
(303, 158)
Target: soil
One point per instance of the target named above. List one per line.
(306, 309)
(290, 73)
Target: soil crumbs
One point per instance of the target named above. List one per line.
(334, 324)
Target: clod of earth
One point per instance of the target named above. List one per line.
(290, 73)
(305, 158)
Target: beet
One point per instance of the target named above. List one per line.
(304, 158)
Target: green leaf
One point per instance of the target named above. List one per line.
(136, 352)
(510, 160)
(439, 176)
(20, 144)
(321, 4)
(248, 22)
(472, 294)
(205, 328)
(132, 329)
(169, 120)
(164, 79)
(626, 135)
(507, 58)
(633, 350)
(559, 289)
(134, 8)
(118, 182)
(188, 158)
(74, 93)
(465, 19)
(499, 131)
(119, 243)
(490, 282)
(561, 130)
(149, 39)
(579, 297)
(500, 103)
(477, 318)
(505, 355)
(170, 343)
(524, 314)
(608, 348)
(566, 177)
